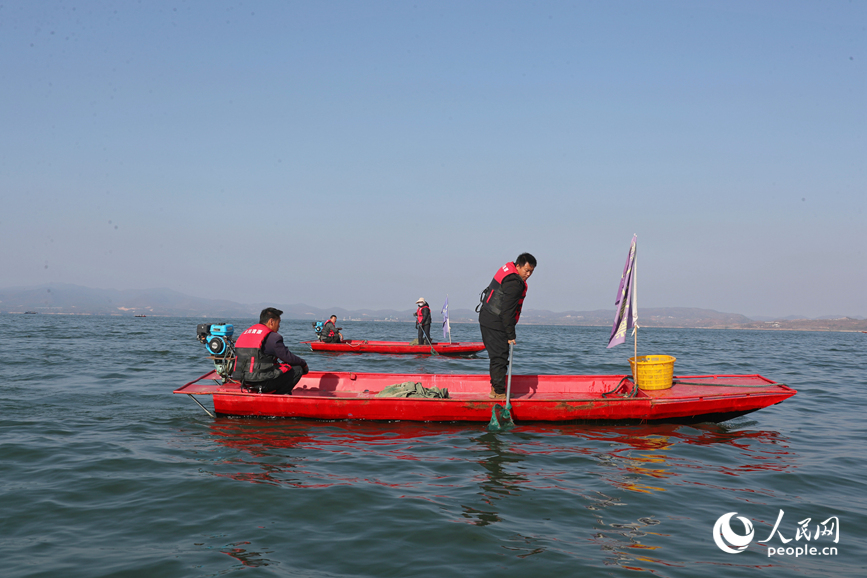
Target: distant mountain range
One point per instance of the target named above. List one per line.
(66, 299)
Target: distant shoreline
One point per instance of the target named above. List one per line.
(824, 325)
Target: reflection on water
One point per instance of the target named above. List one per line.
(498, 482)
(632, 460)
(615, 541)
(601, 501)
(481, 477)
(240, 551)
(639, 453)
(244, 556)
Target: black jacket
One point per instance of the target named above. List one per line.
(512, 290)
(274, 346)
(425, 316)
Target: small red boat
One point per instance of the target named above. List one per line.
(549, 398)
(359, 346)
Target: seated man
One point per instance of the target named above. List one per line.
(330, 331)
(258, 350)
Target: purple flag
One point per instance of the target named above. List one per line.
(626, 314)
(447, 330)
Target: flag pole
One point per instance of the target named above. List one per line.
(635, 301)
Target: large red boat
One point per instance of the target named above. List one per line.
(551, 398)
(365, 346)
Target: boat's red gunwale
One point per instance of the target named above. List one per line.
(342, 395)
(397, 347)
(413, 409)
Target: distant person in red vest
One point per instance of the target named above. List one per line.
(499, 311)
(260, 351)
(422, 321)
(330, 331)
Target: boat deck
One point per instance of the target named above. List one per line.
(614, 398)
(334, 385)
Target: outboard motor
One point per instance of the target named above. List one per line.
(317, 327)
(217, 339)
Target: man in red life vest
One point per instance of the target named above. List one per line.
(500, 310)
(330, 331)
(258, 350)
(422, 321)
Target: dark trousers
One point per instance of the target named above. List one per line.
(423, 334)
(497, 345)
(282, 385)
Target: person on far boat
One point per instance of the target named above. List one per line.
(499, 311)
(263, 363)
(330, 331)
(422, 321)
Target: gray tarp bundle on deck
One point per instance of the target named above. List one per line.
(413, 389)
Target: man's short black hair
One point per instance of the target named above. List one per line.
(525, 258)
(269, 313)
(333, 317)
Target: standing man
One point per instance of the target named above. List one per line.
(258, 350)
(501, 305)
(330, 331)
(422, 321)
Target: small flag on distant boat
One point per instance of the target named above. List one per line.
(447, 330)
(626, 314)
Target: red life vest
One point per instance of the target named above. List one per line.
(494, 299)
(331, 332)
(252, 364)
(420, 313)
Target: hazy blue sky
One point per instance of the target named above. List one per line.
(363, 154)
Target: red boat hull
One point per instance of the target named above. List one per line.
(364, 346)
(556, 398)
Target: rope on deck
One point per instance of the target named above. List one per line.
(632, 393)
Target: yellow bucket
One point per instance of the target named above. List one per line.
(653, 371)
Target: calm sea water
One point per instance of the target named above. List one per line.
(106, 473)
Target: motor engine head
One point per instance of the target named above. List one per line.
(317, 327)
(216, 338)
(217, 346)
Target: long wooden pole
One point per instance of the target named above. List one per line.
(509, 380)
(430, 341)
